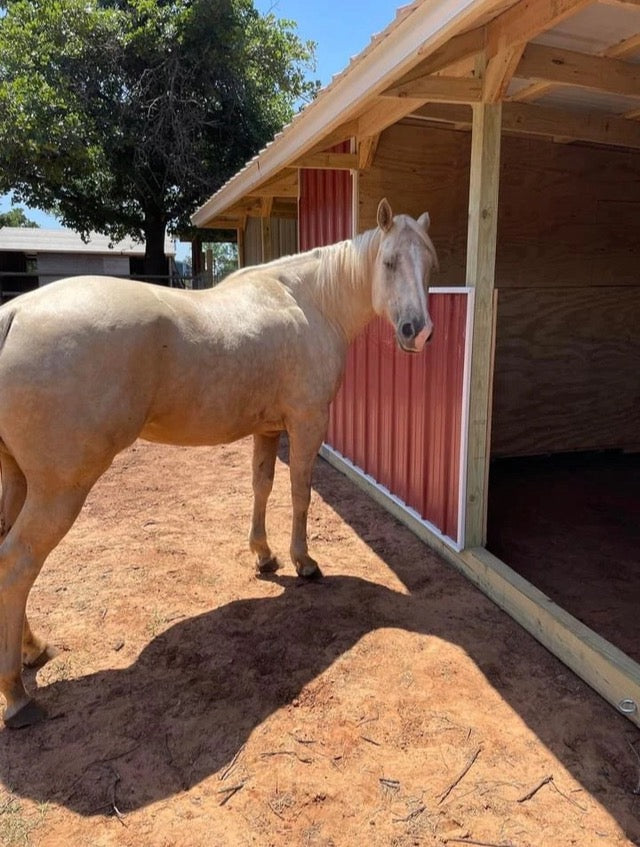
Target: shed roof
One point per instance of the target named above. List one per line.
(564, 69)
(32, 240)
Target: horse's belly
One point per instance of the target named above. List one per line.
(198, 430)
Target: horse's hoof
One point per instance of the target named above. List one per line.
(270, 565)
(309, 570)
(42, 658)
(28, 715)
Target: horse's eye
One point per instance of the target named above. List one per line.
(389, 264)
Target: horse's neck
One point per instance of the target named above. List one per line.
(343, 283)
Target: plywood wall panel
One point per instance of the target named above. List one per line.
(421, 169)
(569, 215)
(567, 373)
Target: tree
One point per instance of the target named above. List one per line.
(17, 217)
(122, 116)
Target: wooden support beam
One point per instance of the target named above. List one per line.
(455, 50)
(624, 48)
(265, 232)
(240, 242)
(566, 67)
(284, 185)
(614, 675)
(383, 112)
(498, 73)
(440, 89)
(546, 122)
(481, 258)
(225, 223)
(327, 161)
(367, 151)
(344, 132)
(446, 113)
(595, 127)
(527, 19)
(266, 207)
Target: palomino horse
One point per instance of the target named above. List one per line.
(87, 365)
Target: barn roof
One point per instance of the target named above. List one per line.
(568, 70)
(36, 240)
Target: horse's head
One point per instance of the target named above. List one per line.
(405, 260)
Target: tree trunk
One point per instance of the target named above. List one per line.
(156, 266)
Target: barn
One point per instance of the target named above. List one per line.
(30, 257)
(511, 446)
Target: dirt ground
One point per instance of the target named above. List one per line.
(389, 703)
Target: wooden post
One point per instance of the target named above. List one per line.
(240, 243)
(266, 239)
(481, 260)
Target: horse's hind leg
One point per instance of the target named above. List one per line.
(265, 448)
(305, 438)
(14, 491)
(43, 521)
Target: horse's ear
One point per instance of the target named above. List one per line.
(385, 215)
(424, 221)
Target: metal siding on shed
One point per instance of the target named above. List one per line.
(325, 217)
(408, 413)
(397, 417)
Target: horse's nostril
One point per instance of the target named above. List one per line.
(407, 330)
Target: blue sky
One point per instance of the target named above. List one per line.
(340, 28)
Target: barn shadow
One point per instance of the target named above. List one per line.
(185, 707)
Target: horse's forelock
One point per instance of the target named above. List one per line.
(424, 235)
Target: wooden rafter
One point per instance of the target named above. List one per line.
(322, 161)
(367, 151)
(282, 186)
(457, 49)
(621, 50)
(594, 127)
(624, 48)
(384, 111)
(498, 73)
(527, 19)
(344, 132)
(566, 67)
(440, 89)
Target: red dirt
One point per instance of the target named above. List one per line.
(214, 708)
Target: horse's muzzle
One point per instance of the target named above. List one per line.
(413, 335)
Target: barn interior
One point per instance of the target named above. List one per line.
(564, 482)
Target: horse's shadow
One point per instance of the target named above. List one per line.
(183, 709)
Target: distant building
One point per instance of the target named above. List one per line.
(33, 257)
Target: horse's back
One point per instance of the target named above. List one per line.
(79, 360)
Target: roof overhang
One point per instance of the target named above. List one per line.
(564, 69)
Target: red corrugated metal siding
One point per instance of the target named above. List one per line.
(397, 417)
(324, 217)
(408, 413)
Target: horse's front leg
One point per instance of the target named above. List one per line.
(265, 448)
(305, 438)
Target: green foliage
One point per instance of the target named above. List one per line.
(17, 217)
(122, 116)
(225, 258)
